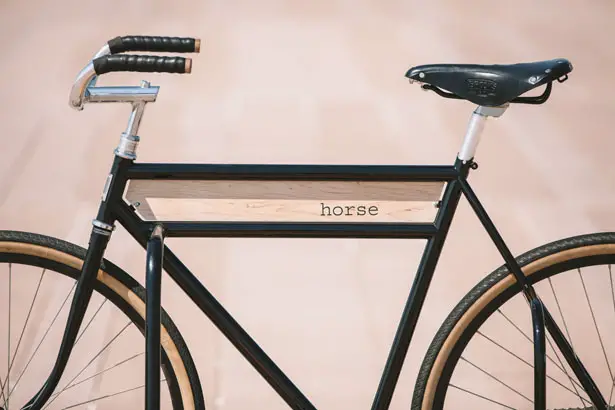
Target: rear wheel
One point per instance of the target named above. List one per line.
(482, 356)
(106, 369)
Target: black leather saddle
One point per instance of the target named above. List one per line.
(491, 85)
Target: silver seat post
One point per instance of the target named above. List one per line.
(475, 130)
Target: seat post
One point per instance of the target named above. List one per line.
(475, 129)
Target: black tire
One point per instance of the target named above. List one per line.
(114, 284)
(488, 295)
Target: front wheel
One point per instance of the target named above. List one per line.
(482, 356)
(106, 369)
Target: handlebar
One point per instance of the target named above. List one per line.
(105, 62)
(157, 44)
(143, 64)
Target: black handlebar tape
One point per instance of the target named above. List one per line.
(156, 44)
(144, 64)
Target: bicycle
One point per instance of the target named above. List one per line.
(299, 201)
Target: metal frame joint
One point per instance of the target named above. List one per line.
(102, 227)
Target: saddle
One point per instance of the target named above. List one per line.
(491, 85)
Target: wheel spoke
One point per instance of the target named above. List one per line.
(42, 340)
(76, 341)
(481, 396)
(561, 313)
(68, 387)
(2, 396)
(88, 364)
(496, 379)
(107, 396)
(23, 330)
(20, 337)
(591, 310)
(90, 321)
(105, 370)
(573, 382)
(561, 367)
(523, 361)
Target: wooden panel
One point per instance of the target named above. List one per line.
(316, 190)
(285, 201)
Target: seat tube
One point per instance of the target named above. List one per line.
(475, 130)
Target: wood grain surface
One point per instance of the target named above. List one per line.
(285, 201)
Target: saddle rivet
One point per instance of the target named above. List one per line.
(548, 70)
(421, 75)
(533, 80)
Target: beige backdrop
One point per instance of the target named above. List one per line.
(312, 82)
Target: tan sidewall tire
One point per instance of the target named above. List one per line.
(128, 295)
(472, 311)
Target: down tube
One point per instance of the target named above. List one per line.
(415, 301)
(218, 315)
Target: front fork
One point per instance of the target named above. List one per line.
(83, 293)
(102, 228)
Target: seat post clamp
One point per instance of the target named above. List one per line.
(494, 112)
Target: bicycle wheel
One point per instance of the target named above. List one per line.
(482, 355)
(106, 369)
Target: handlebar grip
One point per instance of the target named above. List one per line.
(140, 63)
(156, 44)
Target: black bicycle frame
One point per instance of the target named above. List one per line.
(114, 208)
